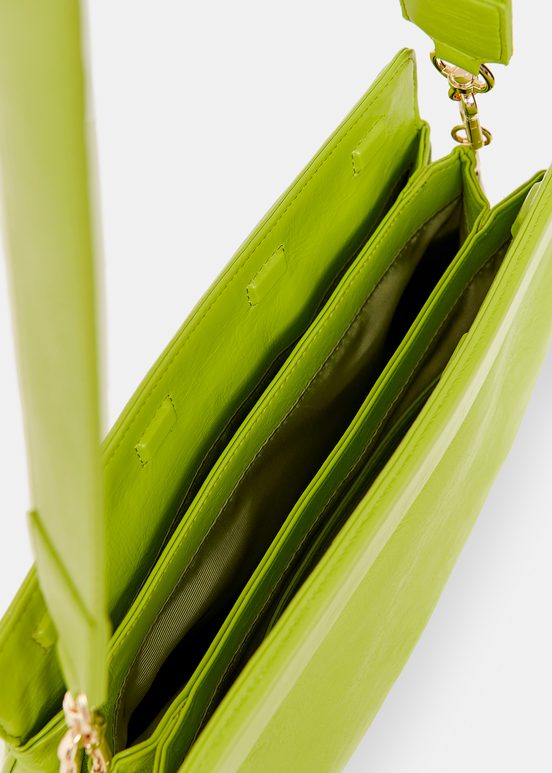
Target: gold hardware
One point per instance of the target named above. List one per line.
(86, 733)
(463, 86)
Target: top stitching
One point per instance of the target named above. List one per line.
(168, 365)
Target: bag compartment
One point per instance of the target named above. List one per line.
(437, 189)
(369, 442)
(377, 584)
(204, 383)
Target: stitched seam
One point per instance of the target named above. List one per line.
(327, 361)
(282, 423)
(494, 292)
(167, 735)
(417, 364)
(370, 103)
(168, 397)
(245, 691)
(142, 461)
(117, 707)
(350, 474)
(255, 276)
(383, 85)
(171, 558)
(396, 431)
(262, 411)
(39, 643)
(498, 293)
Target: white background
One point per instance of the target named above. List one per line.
(204, 113)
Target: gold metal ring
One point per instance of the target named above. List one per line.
(463, 88)
(459, 135)
(460, 79)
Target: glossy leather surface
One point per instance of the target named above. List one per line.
(50, 251)
(308, 692)
(307, 695)
(149, 469)
(281, 444)
(322, 362)
(465, 32)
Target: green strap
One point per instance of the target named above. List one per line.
(47, 220)
(466, 32)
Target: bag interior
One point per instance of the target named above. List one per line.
(423, 380)
(252, 516)
(250, 519)
(209, 381)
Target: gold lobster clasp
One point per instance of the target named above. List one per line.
(463, 86)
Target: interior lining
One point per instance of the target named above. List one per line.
(211, 395)
(265, 379)
(317, 259)
(376, 453)
(252, 516)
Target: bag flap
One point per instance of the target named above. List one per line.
(50, 256)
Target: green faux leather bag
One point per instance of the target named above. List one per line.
(270, 522)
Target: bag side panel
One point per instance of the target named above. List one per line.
(319, 678)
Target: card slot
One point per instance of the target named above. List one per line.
(247, 522)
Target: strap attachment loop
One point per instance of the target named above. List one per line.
(463, 86)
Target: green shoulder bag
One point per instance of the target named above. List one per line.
(271, 520)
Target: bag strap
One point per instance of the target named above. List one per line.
(50, 256)
(466, 32)
(48, 222)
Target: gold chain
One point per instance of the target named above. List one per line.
(463, 86)
(86, 733)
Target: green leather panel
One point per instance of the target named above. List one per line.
(329, 526)
(215, 673)
(30, 676)
(466, 32)
(208, 393)
(127, 760)
(386, 256)
(180, 418)
(48, 225)
(39, 755)
(440, 185)
(322, 673)
(326, 665)
(249, 492)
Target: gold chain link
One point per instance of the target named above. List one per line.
(86, 734)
